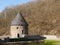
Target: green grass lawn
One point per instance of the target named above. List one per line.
(50, 42)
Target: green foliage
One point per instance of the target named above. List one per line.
(51, 42)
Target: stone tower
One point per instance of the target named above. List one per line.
(19, 27)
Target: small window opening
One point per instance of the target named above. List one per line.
(17, 27)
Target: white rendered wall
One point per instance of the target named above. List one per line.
(14, 31)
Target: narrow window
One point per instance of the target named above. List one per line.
(22, 31)
(18, 35)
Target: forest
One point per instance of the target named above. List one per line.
(43, 17)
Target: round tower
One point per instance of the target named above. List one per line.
(19, 27)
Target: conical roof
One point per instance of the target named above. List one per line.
(19, 20)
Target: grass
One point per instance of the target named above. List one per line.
(47, 42)
(50, 42)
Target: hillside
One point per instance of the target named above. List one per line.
(43, 17)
